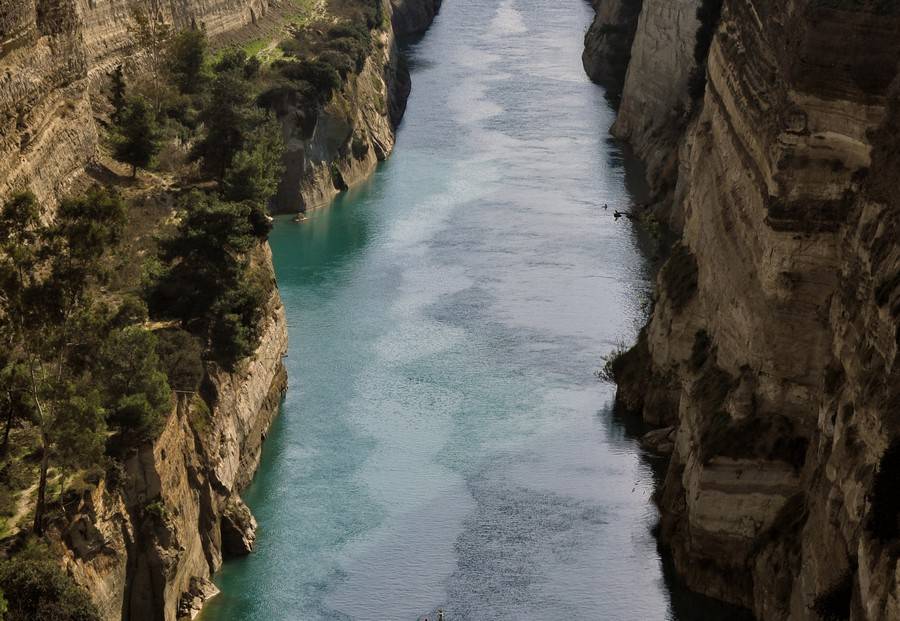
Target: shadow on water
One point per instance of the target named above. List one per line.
(686, 605)
(328, 240)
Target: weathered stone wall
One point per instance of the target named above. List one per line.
(50, 50)
(778, 351)
(655, 100)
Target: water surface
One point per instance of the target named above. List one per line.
(444, 442)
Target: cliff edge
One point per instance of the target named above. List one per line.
(773, 340)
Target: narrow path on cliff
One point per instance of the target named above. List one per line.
(444, 442)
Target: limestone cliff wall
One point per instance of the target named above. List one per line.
(773, 341)
(655, 99)
(323, 161)
(608, 41)
(49, 50)
(146, 545)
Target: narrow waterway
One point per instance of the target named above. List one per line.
(444, 442)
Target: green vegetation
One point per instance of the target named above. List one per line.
(207, 282)
(612, 363)
(37, 588)
(137, 139)
(185, 60)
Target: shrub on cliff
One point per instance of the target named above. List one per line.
(205, 281)
(322, 76)
(37, 588)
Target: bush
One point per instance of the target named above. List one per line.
(338, 61)
(182, 358)
(612, 363)
(322, 76)
(36, 588)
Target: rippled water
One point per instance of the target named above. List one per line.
(443, 442)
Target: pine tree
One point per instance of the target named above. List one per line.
(137, 140)
(45, 276)
(118, 93)
(185, 59)
(151, 37)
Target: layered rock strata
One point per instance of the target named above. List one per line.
(773, 342)
(49, 51)
(146, 544)
(145, 540)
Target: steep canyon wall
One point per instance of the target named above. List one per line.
(773, 341)
(144, 543)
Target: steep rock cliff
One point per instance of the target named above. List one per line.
(351, 133)
(655, 99)
(145, 543)
(49, 51)
(355, 129)
(608, 41)
(413, 16)
(145, 540)
(773, 341)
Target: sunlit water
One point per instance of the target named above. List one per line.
(444, 442)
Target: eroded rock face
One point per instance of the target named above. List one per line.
(655, 99)
(607, 43)
(144, 546)
(238, 528)
(778, 354)
(51, 53)
(355, 130)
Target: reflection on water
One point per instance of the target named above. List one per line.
(444, 443)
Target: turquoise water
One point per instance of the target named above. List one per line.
(444, 442)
